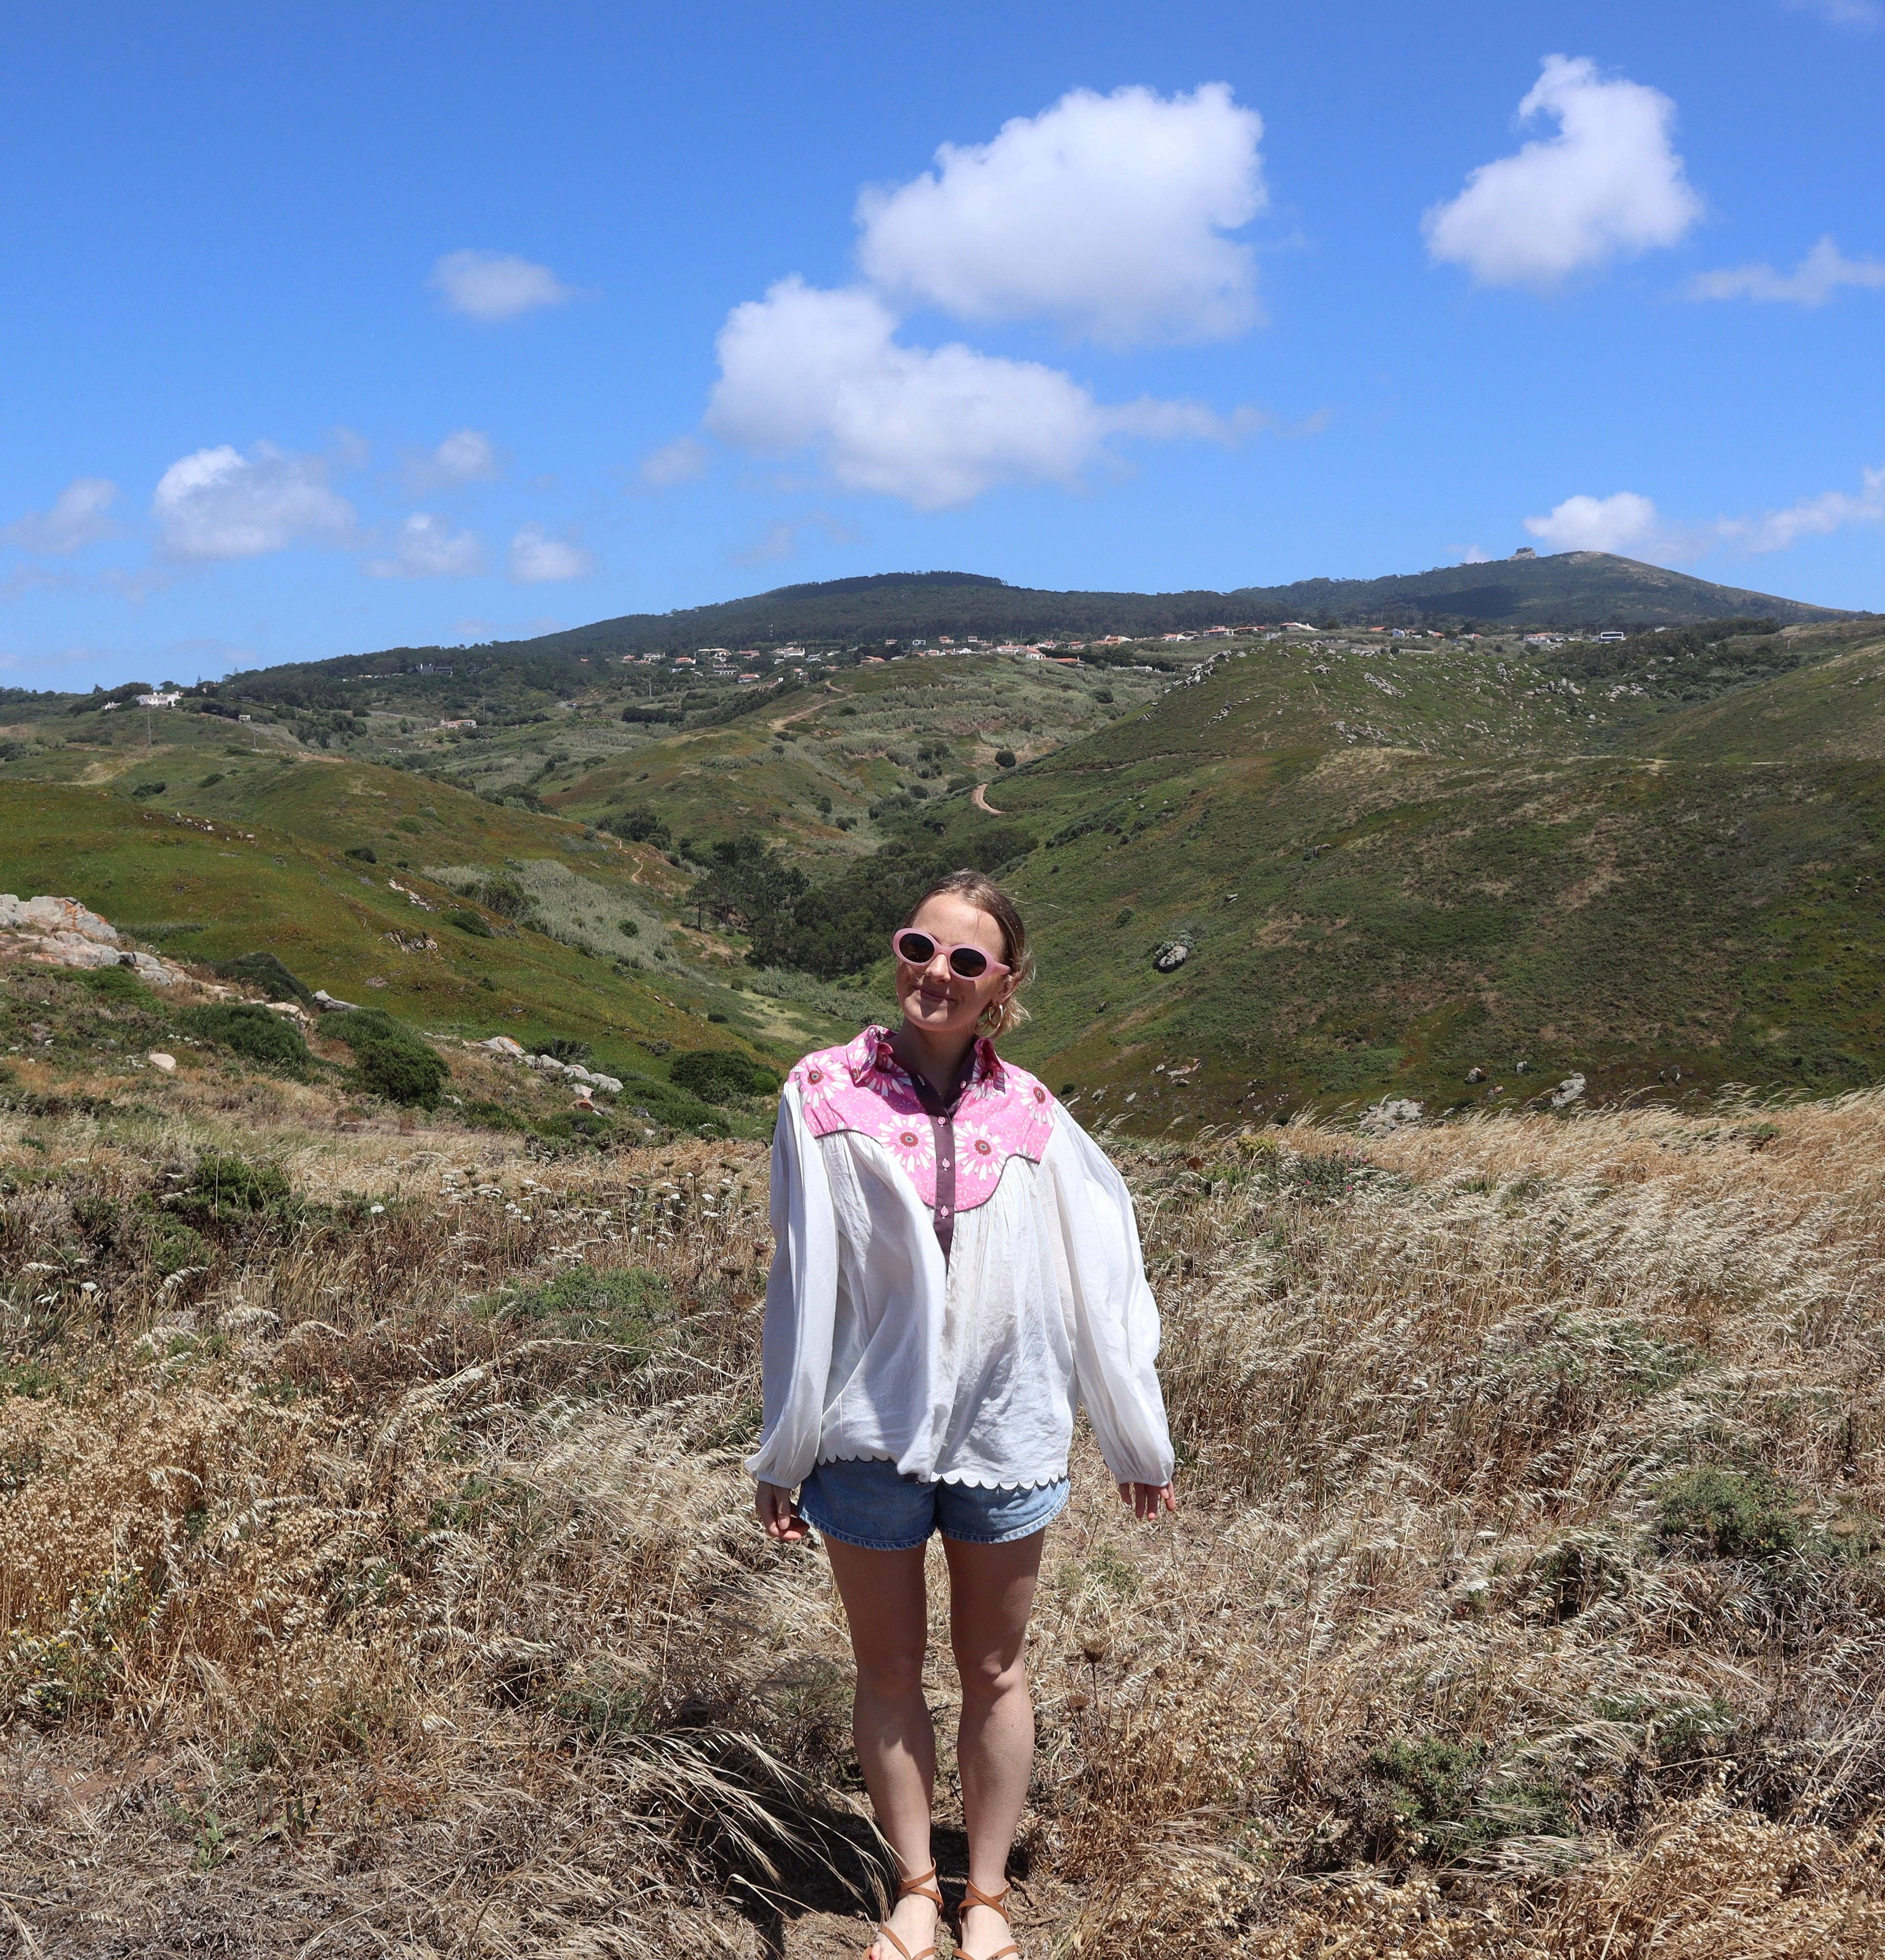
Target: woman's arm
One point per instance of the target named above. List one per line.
(1114, 1317)
(801, 1297)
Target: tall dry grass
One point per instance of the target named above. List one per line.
(381, 1580)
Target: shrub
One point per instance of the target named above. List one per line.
(252, 1031)
(174, 1245)
(629, 1308)
(120, 983)
(150, 789)
(364, 852)
(1731, 1513)
(562, 1048)
(507, 898)
(267, 974)
(228, 1190)
(632, 927)
(473, 923)
(637, 826)
(1004, 759)
(210, 781)
(488, 1116)
(390, 1059)
(1423, 1797)
(714, 1074)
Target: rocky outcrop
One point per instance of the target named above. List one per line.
(548, 1064)
(1391, 1113)
(61, 932)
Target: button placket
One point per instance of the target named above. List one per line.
(943, 1134)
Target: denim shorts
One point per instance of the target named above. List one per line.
(871, 1503)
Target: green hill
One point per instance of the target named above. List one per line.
(1568, 589)
(1461, 871)
(1592, 590)
(384, 889)
(1391, 869)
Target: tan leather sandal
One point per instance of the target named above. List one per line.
(973, 1894)
(922, 1886)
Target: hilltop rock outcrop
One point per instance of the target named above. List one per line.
(61, 932)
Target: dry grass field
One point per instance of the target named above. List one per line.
(376, 1575)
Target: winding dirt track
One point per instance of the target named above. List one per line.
(980, 799)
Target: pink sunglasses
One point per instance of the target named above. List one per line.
(966, 963)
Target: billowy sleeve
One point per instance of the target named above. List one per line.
(801, 1299)
(1114, 1317)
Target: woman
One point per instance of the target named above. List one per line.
(958, 1266)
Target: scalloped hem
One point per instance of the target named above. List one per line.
(961, 1477)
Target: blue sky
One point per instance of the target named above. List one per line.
(329, 329)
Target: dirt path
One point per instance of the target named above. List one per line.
(980, 799)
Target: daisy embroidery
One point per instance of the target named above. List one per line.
(979, 1151)
(911, 1142)
(818, 1081)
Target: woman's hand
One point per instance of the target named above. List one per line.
(773, 1506)
(1147, 1500)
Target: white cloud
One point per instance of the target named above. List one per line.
(536, 558)
(1623, 523)
(466, 455)
(680, 461)
(1106, 213)
(1813, 516)
(1632, 525)
(77, 517)
(808, 368)
(494, 286)
(1608, 183)
(1814, 281)
(218, 503)
(1861, 13)
(427, 547)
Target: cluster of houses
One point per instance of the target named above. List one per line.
(756, 662)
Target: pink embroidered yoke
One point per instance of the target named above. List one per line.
(952, 1280)
(953, 1153)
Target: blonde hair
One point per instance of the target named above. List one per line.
(978, 889)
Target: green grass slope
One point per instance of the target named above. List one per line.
(814, 766)
(1391, 872)
(250, 851)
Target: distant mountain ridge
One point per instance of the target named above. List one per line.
(1568, 589)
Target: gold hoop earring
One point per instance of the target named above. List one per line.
(994, 1018)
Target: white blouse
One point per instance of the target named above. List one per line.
(966, 1369)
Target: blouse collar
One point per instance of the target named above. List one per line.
(873, 1054)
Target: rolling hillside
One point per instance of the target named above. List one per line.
(1413, 874)
(1568, 589)
(1461, 872)
(455, 914)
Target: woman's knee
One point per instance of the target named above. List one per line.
(892, 1675)
(987, 1676)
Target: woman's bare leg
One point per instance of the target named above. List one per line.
(885, 1602)
(991, 1590)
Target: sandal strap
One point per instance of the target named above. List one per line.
(884, 1932)
(973, 1894)
(922, 1886)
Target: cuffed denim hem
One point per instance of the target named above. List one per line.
(869, 1503)
(1055, 1497)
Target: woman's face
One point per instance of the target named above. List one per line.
(935, 999)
